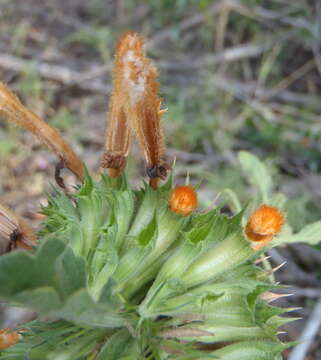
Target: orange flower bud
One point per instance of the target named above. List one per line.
(8, 339)
(183, 200)
(264, 223)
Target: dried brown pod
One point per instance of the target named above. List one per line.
(118, 139)
(15, 230)
(143, 104)
(12, 109)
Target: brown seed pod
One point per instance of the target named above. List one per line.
(143, 104)
(15, 230)
(263, 224)
(118, 137)
(12, 109)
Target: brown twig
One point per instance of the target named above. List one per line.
(243, 91)
(316, 47)
(89, 81)
(57, 73)
(306, 292)
(184, 25)
(233, 53)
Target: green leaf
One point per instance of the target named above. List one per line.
(43, 299)
(279, 200)
(189, 351)
(148, 233)
(233, 200)
(93, 207)
(105, 252)
(122, 203)
(60, 212)
(41, 278)
(17, 272)
(45, 258)
(225, 333)
(198, 233)
(70, 272)
(175, 266)
(310, 234)
(52, 340)
(100, 278)
(82, 310)
(201, 267)
(253, 297)
(148, 203)
(250, 350)
(88, 185)
(115, 346)
(256, 173)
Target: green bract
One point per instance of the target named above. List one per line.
(117, 275)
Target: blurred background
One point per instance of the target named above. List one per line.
(234, 74)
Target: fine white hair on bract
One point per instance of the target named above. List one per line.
(136, 85)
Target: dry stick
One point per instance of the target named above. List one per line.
(70, 77)
(260, 13)
(306, 292)
(74, 78)
(88, 81)
(295, 75)
(309, 332)
(241, 91)
(85, 81)
(57, 73)
(184, 25)
(233, 53)
(230, 54)
(50, 71)
(221, 27)
(316, 47)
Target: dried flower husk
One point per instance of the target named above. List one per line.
(15, 230)
(118, 136)
(12, 109)
(143, 105)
